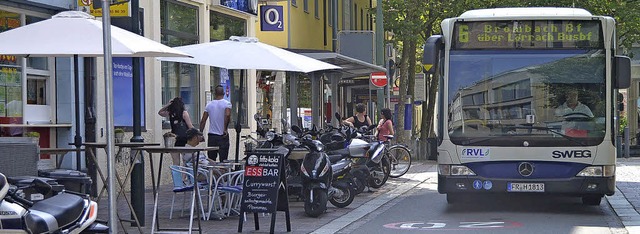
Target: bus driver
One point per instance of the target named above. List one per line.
(573, 106)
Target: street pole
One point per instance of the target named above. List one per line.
(380, 93)
(106, 39)
(137, 174)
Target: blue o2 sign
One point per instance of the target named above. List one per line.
(271, 18)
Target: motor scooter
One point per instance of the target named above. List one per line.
(65, 212)
(316, 176)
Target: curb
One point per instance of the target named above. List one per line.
(629, 217)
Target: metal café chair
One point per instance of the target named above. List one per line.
(228, 185)
(180, 185)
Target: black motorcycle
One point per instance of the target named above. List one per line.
(317, 175)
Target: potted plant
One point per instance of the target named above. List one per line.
(35, 136)
(119, 134)
(169, 139)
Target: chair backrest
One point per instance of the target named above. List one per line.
(231, 178)
(177, 173)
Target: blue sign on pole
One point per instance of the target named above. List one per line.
(271, 18)
(123, 86)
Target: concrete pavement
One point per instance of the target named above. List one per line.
(625, 203)
(363, 204)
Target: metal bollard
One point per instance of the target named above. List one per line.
(626, 142)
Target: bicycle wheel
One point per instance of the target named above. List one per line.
(400, 158)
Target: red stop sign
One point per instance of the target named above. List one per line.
(379, 79)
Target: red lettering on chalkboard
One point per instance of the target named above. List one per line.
(253, 171)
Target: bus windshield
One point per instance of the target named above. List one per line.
(544, 97)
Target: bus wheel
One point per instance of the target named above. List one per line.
(591, 200)
(453, 198)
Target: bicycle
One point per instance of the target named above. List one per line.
(399, 156)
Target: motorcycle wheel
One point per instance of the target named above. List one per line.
(384, 168)
(319, 204)
(348, 194)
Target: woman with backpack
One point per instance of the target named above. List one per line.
(180, 122)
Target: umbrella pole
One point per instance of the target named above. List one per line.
(78, 138)
(106, 38)
(238, 127)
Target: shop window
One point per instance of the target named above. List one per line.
(36, 90)
(331, 12)
(179, 26)
(316, 10)
(224, 26)
(230, 81)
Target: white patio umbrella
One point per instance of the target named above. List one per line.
(247, 53)
(75, 33)
(72, 33)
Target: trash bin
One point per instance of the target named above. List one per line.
(72, 180)
(27, 190)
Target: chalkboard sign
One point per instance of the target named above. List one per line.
(261, 182)
(264, 189)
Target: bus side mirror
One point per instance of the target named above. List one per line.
(622, 72)
(430, 56)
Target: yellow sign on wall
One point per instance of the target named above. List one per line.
(118, 10)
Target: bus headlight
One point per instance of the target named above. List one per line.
(597, 171)
(455, 170)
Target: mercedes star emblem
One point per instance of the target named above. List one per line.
(525, 169)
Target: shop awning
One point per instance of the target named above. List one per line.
(350, 67)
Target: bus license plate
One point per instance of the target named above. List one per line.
(525, 187)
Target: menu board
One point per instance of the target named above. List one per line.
(532, 34)
(262, 180)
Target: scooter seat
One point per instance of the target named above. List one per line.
(54, 213)
(337, 157)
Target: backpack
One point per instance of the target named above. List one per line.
(178, 126)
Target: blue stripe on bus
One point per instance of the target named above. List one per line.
(542, 170)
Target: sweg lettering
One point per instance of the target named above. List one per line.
(571, 154)
(475, 152)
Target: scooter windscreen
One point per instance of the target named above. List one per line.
(315, 165)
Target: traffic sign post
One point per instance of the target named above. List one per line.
(379, 79)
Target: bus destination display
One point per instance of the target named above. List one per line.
(527, 34)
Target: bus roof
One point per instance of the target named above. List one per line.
(525, 12)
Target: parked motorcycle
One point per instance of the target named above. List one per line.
(63, 213)
(370, 167)
(317, 175)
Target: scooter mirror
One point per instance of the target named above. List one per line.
(296, 129)
(257, 117)
(371, 127)
(41, 186)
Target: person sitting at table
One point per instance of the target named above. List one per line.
(194, 137)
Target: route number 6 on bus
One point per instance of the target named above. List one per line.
(527, 101)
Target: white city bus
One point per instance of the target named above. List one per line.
(526, 102)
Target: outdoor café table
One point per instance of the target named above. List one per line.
(121, 182)
(151, 150)
(59, 152)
